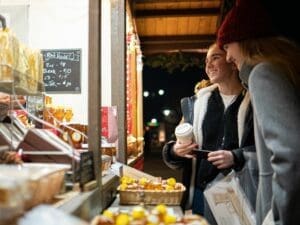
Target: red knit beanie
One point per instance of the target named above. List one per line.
(247, 19)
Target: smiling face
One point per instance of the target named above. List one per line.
(234, 55)
(217, 68)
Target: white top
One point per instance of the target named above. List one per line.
(228, 99)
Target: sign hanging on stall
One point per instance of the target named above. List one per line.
(62, 70)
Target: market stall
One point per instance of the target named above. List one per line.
(80, 188)
(62, 171)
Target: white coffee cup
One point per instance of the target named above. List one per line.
(184, 133)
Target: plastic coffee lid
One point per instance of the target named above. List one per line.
(183, 129)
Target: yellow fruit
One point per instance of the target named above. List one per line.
(123, 186)
(171, 181)
(161, 209)
(130, 180)
(109, 214)
(169, 188)
(169, 219)
(138, 212)
(122, 219)
(124, 179)
(143, 181)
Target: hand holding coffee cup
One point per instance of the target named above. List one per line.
(184, 133)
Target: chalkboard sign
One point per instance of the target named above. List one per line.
(62, 69)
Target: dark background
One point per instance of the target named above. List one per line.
(285, 18)
(176, 85)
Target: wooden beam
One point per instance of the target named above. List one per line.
(162, 48)
(176, 38)
(91, 204)
(169, 1)
(152, 44)
(118, 73)
(177, 12)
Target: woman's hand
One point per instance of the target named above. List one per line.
(222, 159)
(184, 150)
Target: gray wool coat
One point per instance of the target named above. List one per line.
(276, 109)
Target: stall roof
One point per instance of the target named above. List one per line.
(177, 25)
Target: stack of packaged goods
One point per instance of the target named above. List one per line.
(19, 65)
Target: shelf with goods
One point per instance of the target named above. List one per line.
(86, 193)
(21, 74)
(21, 68)
(41, 146)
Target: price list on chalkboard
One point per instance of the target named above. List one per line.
(62, 70)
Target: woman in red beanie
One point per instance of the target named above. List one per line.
(269, 66)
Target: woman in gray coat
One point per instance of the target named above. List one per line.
(269, 66)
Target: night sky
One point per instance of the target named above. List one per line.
(176, 85)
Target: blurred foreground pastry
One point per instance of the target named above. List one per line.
(159, 215)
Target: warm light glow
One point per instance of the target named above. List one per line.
(162, 136)
(146, 94)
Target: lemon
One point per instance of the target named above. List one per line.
(169, 188)
(109, 214)
(130, 180)
(127, 180)
(169, 219)
(138, 212)
(124, 179)
(171, 181)
(143, 181)
(123, 186)
(161, 209)
(122, 219)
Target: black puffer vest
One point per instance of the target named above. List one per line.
(219, 132)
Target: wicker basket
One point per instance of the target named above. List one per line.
(151, 197)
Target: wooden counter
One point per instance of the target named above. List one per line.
(86, 205)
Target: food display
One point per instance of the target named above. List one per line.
(106, 163)
(19, 64)
(40, 183)
(10, 157)
(108, 148)
(9, 51)
(129, 183)
(159, 215)
(22, 116)
(74, 134)
(12, 197)
(147, 191)
(131, 146)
